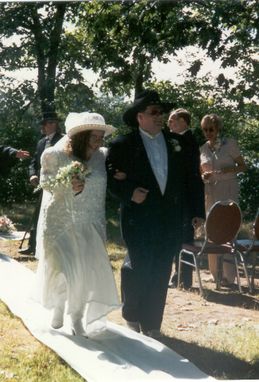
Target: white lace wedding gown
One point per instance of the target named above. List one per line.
(73, 262)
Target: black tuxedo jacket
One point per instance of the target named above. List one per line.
(160, 217)
(34, 168)
(192, 158)
(192, 150)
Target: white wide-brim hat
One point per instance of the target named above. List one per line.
(78, 122)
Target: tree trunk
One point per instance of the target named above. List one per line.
(47, 56)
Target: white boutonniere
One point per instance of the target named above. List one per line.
(175, 144)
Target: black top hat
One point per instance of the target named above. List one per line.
(49, 116)
(142, 101)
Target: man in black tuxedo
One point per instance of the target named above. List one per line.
(52, 134)
(179, 125)
(152, 197)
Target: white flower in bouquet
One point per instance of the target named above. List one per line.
(65, 175)
(6, 225)
(74, 170)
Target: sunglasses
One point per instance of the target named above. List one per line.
(154, 113)
(209, 130)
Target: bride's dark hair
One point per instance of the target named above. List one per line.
(78, 145)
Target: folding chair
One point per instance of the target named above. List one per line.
(221, 228)
(248, 247)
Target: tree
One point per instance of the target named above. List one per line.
(120, 40)
(125, 37)
(40, 43)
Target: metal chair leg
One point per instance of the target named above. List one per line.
(242, 261)
(238, 276)
(196, 264)
(219, 273)
(252, 279)
(179, 269)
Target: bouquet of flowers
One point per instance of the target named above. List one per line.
(65, 174)
(6, 225)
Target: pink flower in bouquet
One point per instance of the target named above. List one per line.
(6, 225)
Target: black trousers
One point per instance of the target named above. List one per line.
(144, 283)
(34, 222)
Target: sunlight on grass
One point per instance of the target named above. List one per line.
(239, 340)
(23, 358)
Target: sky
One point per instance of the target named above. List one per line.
(172, 71)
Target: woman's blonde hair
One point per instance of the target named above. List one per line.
(212, 120)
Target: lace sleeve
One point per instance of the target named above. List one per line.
(49, 168)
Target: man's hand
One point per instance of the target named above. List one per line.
(34, 180)
(120, 175)
(139, 195)
(21, 154)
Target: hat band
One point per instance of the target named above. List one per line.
(108, 129)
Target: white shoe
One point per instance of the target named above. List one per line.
(78, 329)
(58, 317)
(133, 325)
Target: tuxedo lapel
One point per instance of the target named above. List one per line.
(174, 164)
(56, 137)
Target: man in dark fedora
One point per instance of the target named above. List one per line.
(156, 187)
(51, 131)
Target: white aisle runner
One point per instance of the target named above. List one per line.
(115, 355)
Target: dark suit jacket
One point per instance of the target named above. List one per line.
(34, 168)
(7, 159)
(192, 157)
(192, 150)
(159, 218)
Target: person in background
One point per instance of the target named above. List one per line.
(152, 195)
(179, 124)
(9, 156)
(74, 268)
(221, 161)
(52, 134)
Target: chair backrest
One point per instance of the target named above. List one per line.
(256, 226)
(223, 222)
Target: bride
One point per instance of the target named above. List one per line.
(74, 269)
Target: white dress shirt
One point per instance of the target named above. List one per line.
(48, 140)
(157, 154)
